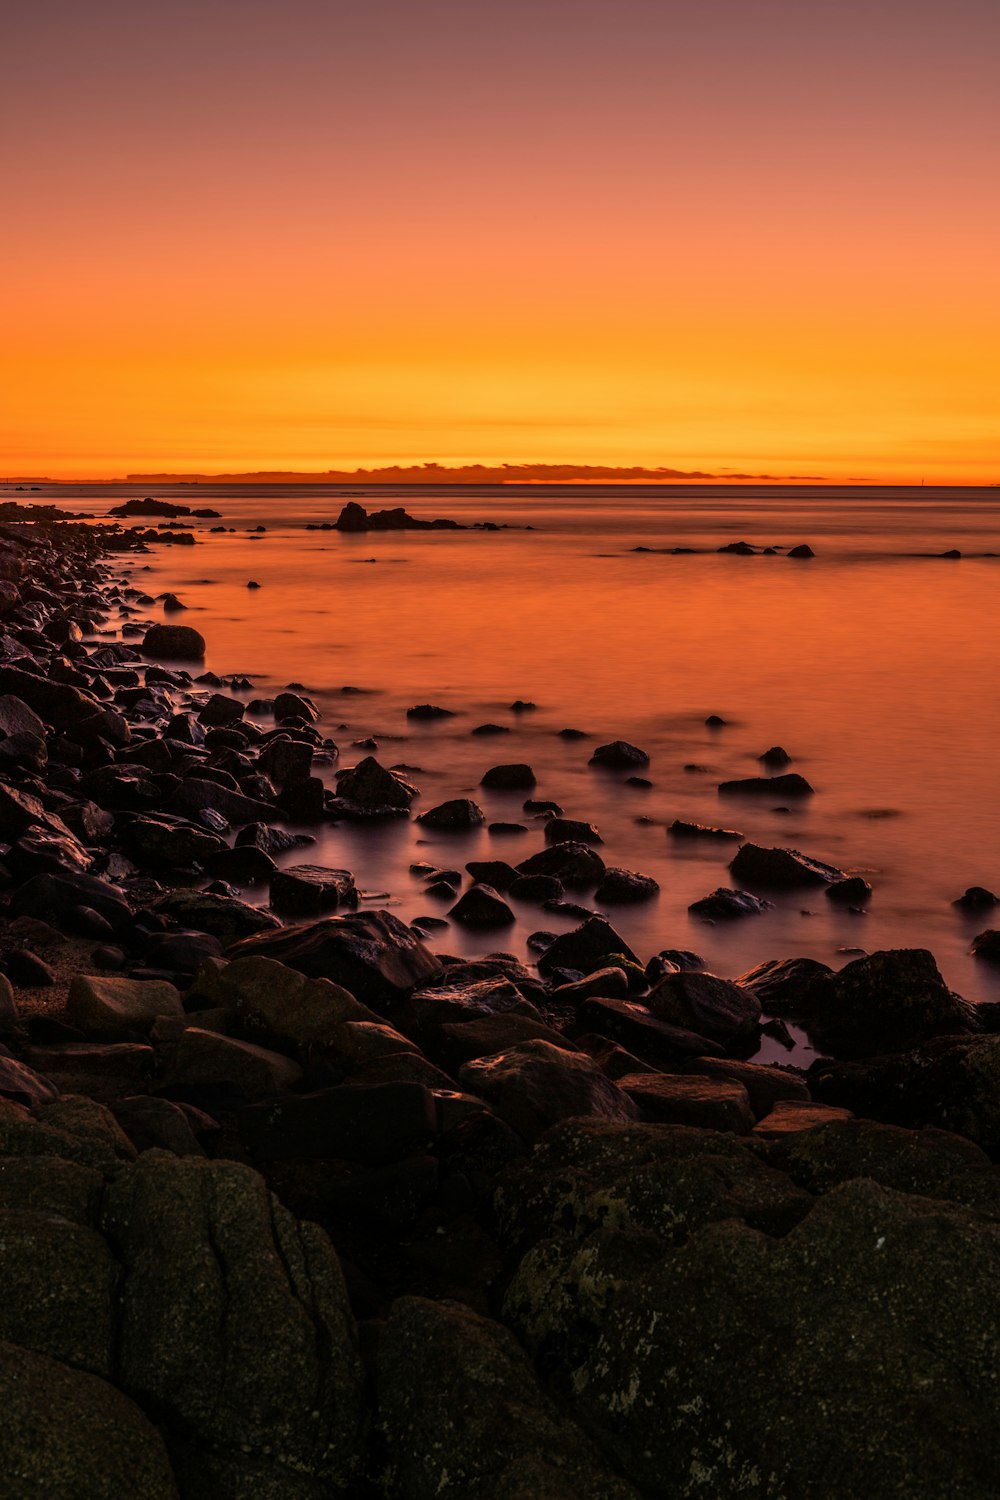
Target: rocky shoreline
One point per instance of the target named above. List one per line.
(296, 1205)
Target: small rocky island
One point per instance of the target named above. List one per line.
(354, 518)
(295, 1204)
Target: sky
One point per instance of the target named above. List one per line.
(754, 236)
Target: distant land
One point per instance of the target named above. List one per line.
(433, 473)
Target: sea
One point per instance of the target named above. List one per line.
(874, 664)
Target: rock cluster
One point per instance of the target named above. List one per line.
(295, 1205)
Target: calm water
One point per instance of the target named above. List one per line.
(874, 665)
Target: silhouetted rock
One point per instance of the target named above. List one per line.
(576, 865)
(174, 643)
(457, 816)
(713, 1007)
(853, 890)
(482, 906)
(510, 778)
(780, 869)
(802, 550)
(790, 785)
(623, 887)
(725, 904)
(679, 829)
(619, 755)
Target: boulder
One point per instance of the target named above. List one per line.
(571, 831)
(780, 869)
(102, 1002)
(371, 787)
(713, 1007)
(677, 1099)
(482, 906)
(223, 916)
(575, 864)
(727, 905)
(509, 778)
(625, 887)
(790, 986)
(234, 1319)
(221, 709)
(309, 890)
(289, 705)
(369, 1123)
(65, 1433)
(456, 816)
(173, 643)
(778, 787)
(461, 1411)
(271, 999)
(619, 755)
(372, 954)
(888, 1001)
(678, 829)
(592, 945)
(252, 1072)
(533, 1084)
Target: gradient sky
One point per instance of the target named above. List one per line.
(754, 234)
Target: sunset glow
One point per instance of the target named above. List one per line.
(732, 235)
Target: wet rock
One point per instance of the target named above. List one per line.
(243, 865)
(456, 816)
(171, 841)
(197, 792)
(495, 872)
(534, 1084)
(576, 865)
(372, 954)
(464, 1041)
(174, 643)
(509, 778)
(779, 787)
(371, 787)
(284, 759)
(537, 888)
(713, 1007)
(987, 945)
(220, 710)
(53, 897)
(853, 890)
(224, 917)
(482, 906)
(625, 887)
(309, 890)
(65, 1432)
(725, 905)
(460, 1408)
(491, 729)
(781, 869)
(269, 999)
(292, 706)
(976, 898)
(102, 1002)
(591, 946)
(303, 799)
(611, 983)
(776, 757)
(677, 1099)
(678, 829)
(149, 1122)
(790, 1117)
(619, 755)
(272, 840)
(429, 711)
(802, 550)
(792, 987)
(888, 1001)
(571, 831)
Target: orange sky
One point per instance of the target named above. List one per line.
(754, 234)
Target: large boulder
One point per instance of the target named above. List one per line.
(780, 869)
(888, 1001)
(372, 788)
(371, 954)
(234, 1320)
(270, 999)
(575, 864)
(105, 1002)
(461, 1412)
(67, 1434)
(223, 916)
(588, 947)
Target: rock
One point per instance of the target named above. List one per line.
(17, 718)
(464, 1041)
(592, 945)
(495, 872)
(20, 1083)
(790, 986)
(461, 1410)
(272, 840)
(370, 1123)
(571, 831)
(611, 983)
(802, 550)
(790, 1117)
(195, 793)
(853, 890)
(780, 869)
(779, 787)
(303, 799)
(370, 785)
(534, 1084)
(244, 864)
(482, 906)
(57, 703)
(457, 816)
(625, 887)
(372, 954)
(66, 1433)
(536, 888)
(173, 643)
(291, 706)
(234, 1319)
(681, 830)
(8, 1006)
(777, 756)
(713, 1007)
(171, 841)
(576, 865)
(284, 759)
(252, 1072)
(150, 1122)
(224, 917)
(272, 1000)
(976, 898)
(677, 1099)
(103, 1002)
(60, 1278)
(619, 755)
(27, 970)
(511, 778)
(221, 710)
(428, 711)
(766, 1086)
(725, 905)
(888, 1001)
(309, 890)
(987, 944)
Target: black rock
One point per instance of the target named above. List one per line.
(482, 906)
(23, 967)
(365, 1123)
(678, 829)
(571, 830)
(781, 869)
(510, 778)
(593, 945)
(457, 816)
(429, 711)
(854, 890)
(619, 755)
(309, 890)
(776, 756)
(576, 865)
(174, 643)
(975, 899)
(537, 888)
(790, 785)
(623, 887)
(724, 904)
